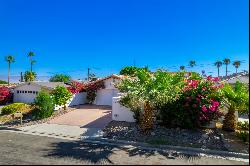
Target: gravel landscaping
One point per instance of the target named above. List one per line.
(201, 138)
(28, 119)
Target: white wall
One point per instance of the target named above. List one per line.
(76, 99)
(27, 97)
(104, 96)
(109, 83)
(79, 98)
(121, 113)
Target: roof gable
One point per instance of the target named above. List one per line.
(108, 77)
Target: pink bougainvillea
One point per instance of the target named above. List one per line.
(197, 98)
(5, 94)
(76, 87)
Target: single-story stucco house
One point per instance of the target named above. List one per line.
(243, 78)
(27, 92)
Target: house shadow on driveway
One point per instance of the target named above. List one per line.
(95, 127)
(91, 106)
(102, 153)
(100, 122)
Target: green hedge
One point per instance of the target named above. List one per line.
(44, 105)
(16, 107)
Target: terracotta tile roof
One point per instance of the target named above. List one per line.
(108, 77)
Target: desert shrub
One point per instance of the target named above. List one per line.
(16, 107)
(61, 95)
(5, 95)
(44, 105)
(243, 125)
(242, 131)
(243, 135)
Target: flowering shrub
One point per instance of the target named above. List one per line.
(76, 87)
(201, 99)
(61, 95)
(5, 94)
(197, 104)
(91, 90)
(180, 99)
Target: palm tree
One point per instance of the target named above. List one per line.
(30, 55)
(226, 61)
(192, 63)
(237, 65)
(10, 59)
(218, 64)
(182, 67)
(31, 63)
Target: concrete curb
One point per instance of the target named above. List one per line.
(59, 136)
(184, 150)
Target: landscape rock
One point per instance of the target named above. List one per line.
(205, 138)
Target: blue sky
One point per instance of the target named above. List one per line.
(68, 36)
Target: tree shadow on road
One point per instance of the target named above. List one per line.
(93, 153)
(100, 153)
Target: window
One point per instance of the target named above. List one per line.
(22, 91)
(30, 92)
(25, 92)
(34, 92)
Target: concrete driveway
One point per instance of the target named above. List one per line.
(86, 116)
(85, 121)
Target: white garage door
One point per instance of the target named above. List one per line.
(24, 98)
(104, 96)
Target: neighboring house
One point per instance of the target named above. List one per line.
(104, 96)
(244, 78)
(27, 92)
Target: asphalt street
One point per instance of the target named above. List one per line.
(27, 149)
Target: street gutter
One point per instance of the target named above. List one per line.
(184, 150)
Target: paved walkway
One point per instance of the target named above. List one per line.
(86, 121)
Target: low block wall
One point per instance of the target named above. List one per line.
(121, 113)
(77, 99)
